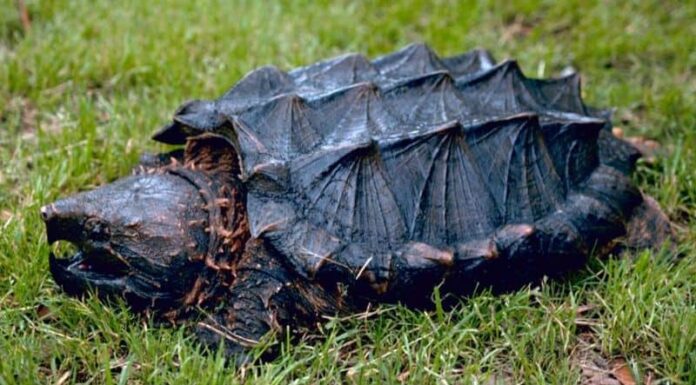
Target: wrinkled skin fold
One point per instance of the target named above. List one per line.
(346, 183)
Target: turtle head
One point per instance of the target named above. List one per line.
(150, 238)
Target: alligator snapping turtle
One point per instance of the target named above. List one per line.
(349, 182)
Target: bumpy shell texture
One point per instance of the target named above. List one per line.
(370, 170)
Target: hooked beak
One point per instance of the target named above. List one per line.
(61, 223)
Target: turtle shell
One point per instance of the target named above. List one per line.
(371, 169)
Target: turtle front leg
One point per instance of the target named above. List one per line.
(266, 297)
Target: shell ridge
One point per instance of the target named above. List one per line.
(326, 178)
(334, 73)
(256, 85)
(515, 158)
(413, 59)
(570, 154)
(506, 181)
(504, 151)
(477, 197)
(422, 188)
(433, 176)
(353, 112)
(283, 125)
(345, 171)
(573, 147)
(353, 170)
(469, 63)
(330, 156)
(367, 199)
(431, 98)
(557, 94)
(542, 95)
(548, 178)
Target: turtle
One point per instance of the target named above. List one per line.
(326, 189)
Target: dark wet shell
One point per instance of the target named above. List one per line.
(349, 163)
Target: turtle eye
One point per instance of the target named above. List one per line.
(97, 230)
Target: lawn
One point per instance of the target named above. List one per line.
(84, 87)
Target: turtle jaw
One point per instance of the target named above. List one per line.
(78, 274)
(97, 268)
(94, 266)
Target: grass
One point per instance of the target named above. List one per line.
(83, 89)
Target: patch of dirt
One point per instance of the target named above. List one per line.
(27, 114)
(594, 366)
(517, 29)
(500, 379)
(649, 148)
(596, 369)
